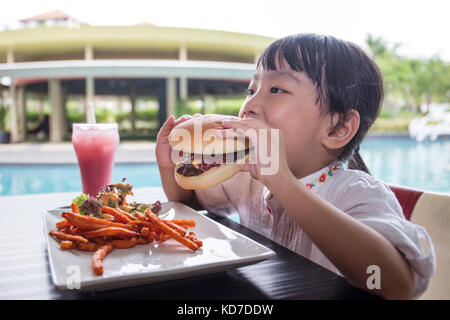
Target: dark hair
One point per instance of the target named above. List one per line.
(344, 76)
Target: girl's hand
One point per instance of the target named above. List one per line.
(163, 149)
(267, 163)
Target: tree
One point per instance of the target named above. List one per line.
(412, 80)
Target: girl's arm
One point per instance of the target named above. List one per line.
(174, 192)
(349, 244)
(166, 167)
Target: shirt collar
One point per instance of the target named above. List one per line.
(312, 181)
(317, 178)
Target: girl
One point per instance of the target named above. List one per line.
(322, 94)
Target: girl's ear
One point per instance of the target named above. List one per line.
(342, 131)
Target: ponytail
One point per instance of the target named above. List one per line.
(357, 163)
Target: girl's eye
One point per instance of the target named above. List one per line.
(276, 90)
(250, 92)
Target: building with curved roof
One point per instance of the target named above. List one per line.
(56, 54)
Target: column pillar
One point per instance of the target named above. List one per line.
(162, 103)
(90, 93)
(171, 96)
(133, 108)
(183, 89)
(21, 113)
(64, 93)
(88, 52)
(57, 113)
(203, 98)
(182, 53)
(15, 136)
(10, 56)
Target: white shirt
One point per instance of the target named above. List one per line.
(356, 193)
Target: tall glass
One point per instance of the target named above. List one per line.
(95, 145)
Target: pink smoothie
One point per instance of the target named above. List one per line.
(95, 146)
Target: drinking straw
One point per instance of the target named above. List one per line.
(91, 113)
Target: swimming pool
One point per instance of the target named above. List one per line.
(401, 161)
(26, 179)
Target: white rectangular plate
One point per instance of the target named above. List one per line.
(222, 249)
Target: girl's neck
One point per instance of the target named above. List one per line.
(312, 166)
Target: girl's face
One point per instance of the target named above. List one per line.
(286, 100)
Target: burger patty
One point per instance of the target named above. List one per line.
(187, 169)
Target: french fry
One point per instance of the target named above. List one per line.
(91, 223)
(73, 230)
(88, 246)
(64, 236)
(193, 237)
(119, 229)
(177, 228)
(151, 236)
(110, 232)
(141, 241)
(152, 225)
(62, 224)
(67, 244)
(99, 240)
(140, 216)
(119, 216)
(108, 217)
(99, 255)
(169, 231)
(74, 207)
(145, 231)
(124, 244)
(184, 223)
(161, 237)
(126, 214)
(140, 223)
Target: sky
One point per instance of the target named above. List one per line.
(421, 27)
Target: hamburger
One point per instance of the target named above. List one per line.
(201, 158)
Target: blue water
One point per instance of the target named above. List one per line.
(26, 179)
(401, 161)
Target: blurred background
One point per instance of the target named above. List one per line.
(138, 62)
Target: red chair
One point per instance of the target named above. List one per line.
(432, 211)
(407, 199)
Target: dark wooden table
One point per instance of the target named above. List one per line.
(25, 272)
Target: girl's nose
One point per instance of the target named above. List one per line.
(249, 110)
(247, 114)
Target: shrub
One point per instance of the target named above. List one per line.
(147, 114)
